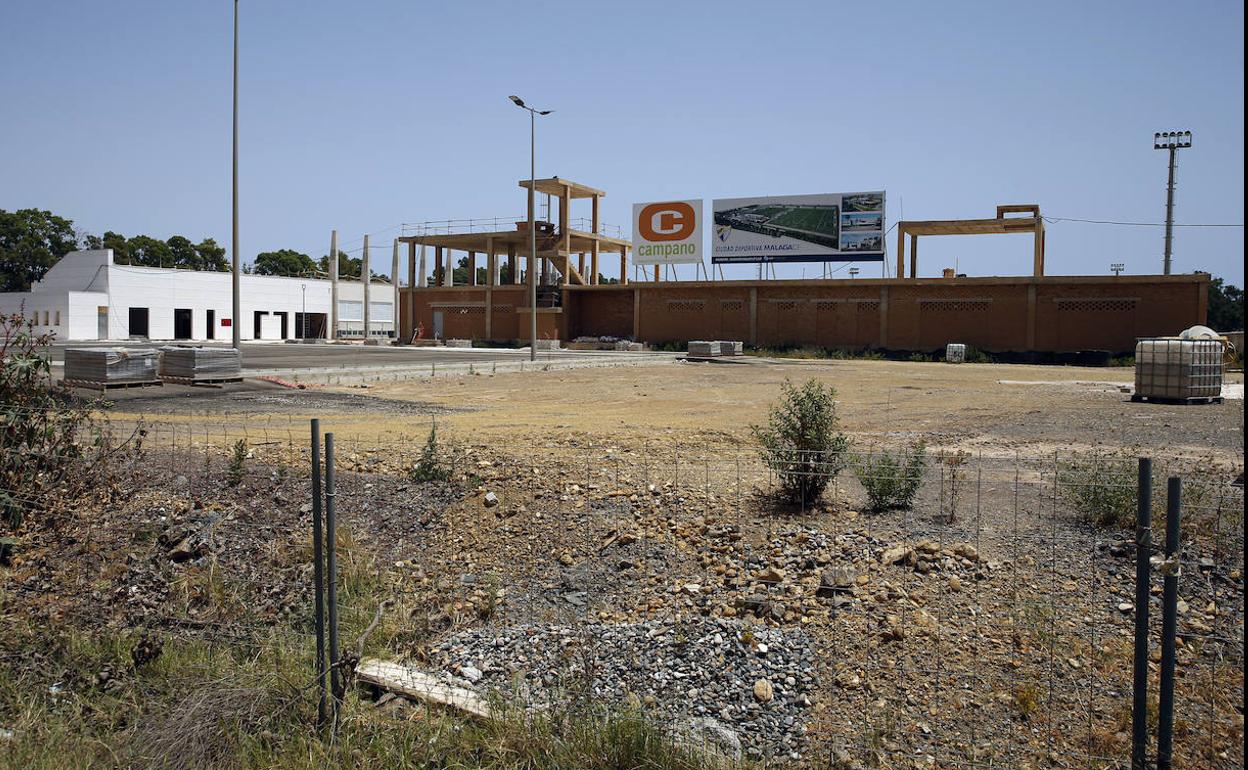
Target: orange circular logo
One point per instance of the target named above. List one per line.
(673, 221)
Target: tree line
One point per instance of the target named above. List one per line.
(33, 240)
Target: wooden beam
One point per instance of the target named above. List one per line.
(413, 683)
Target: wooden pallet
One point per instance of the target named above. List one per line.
(206, 381)
(92, 385)
(1176, 401)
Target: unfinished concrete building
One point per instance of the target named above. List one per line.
(1032, 313)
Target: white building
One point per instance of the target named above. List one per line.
(87, 297)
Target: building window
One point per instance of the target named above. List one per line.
(45, 318)
(58, 318)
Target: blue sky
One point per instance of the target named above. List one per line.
(363, 115)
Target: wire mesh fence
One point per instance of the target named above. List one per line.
(984, 621)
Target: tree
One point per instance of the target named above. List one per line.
(284, 262)
(348, 267)
(211, 256)
(116, 242)
(31, 241)
(1226, 306)
(182, 252)
(149, 252)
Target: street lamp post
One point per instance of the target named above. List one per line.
(1172, 141)
(533, 113)
(235, 328)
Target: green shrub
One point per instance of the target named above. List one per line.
(801, 443)
(238, 460)
(430, 466)
(44, 432)
(892, 480)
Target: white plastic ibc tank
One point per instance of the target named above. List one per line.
(1173, 368)
(955, 353)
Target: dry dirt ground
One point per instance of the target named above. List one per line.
(632, 553)
(994, 408)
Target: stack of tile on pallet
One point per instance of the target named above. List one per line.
(730, 347)
(703, 348)
(200, 363)
(1178, 369)
(108, 366)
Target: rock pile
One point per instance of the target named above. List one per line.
(723, 677)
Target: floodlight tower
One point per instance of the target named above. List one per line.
(1173, 141)
(533, 113)
(1117, 268)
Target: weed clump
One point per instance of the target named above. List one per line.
(801, 442)
(430, 466)
(892, 479)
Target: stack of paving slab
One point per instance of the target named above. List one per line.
(703, 348)
(632, 347)
(714, 348)
(459, 343)
(111, 366)
(194, 363)
(547, 345)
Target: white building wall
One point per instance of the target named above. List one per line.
(84, 281)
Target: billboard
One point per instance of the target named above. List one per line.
(667, 233)
(835, 227)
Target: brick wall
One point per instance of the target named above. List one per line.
(994, 314)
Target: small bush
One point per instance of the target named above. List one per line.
(1101, 487)
(430, 466)
(45, 433)
(238, 461)
(801, 443)
(892, 480)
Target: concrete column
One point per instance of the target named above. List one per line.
(593, 261)
(914, 256)
(332, 331)
(636, 315)
(472, 268)
(1031, 316)
(394, 285)
(437, 265)
(884, 316)
(623, 265)
(753, 314)
(364, 276)
(411, 284)
(901, 253)
(448, 268)
(512, 264)
(422, 280)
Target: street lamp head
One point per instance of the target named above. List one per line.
(544, 112)
(516, 100)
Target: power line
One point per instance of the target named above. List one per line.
(1051, 220)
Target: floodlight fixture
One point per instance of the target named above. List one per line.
(1117, 268)
(1172, 142)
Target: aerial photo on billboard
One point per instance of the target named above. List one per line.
(799, 228)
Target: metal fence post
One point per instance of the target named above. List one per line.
(331, 569)
(1169, 625)
(318, 577)
(1143, 545)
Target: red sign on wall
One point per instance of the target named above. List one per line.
(225, 322)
